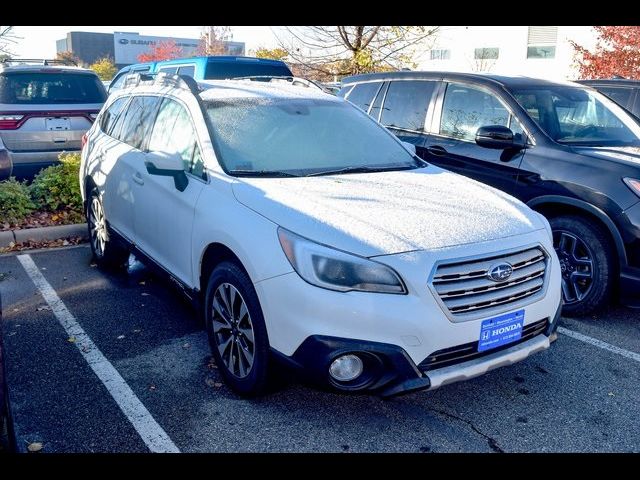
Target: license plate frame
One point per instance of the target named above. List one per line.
(57, 124)
(501, 330)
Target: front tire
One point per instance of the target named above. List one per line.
(587, 262)
(105, 252)
(236, 329)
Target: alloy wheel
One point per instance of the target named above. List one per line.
(233, 330)
(97, 227)
(576, 266)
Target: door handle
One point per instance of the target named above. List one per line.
(137, 177)
(436, 150)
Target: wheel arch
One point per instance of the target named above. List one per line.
(213, 255)
(554, 205)
(89, 184)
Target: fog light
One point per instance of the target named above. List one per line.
(346, 368)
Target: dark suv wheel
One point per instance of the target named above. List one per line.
(105, 251)
(587, 262)
(236, 329)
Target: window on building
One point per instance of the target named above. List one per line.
(541, 42)
(485, 53)
(440, 54)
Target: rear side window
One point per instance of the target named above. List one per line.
(173, 132)
(34, 88)
(222, 70)
(110, 115)
(406, 104)
(188, 70)
(138, 120)
(362, 94)
(344, 91)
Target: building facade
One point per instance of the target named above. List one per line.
(125, 47)
(543, 52)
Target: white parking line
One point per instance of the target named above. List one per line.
(600, 344)
(151, 433)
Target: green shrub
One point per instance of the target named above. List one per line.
(15, 202)
(58, 187)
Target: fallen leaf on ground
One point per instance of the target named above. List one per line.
(144, 294)
(210, 381)
(71, 339)
(141, 282)
(136, 330)
(44, 307)
(120, 337)
(611, 394)
(186, 345)
(35, 447)
(217, 384)
(152, 387)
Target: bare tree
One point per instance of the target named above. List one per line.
(351, 50)
(7, 37)
(212, 40)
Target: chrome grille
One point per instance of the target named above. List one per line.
(464, 287)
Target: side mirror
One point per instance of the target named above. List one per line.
(497, 137)
(167, 164)
(410, 146)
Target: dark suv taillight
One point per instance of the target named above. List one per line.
(10, 121)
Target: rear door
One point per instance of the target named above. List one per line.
(121, 188)
(451, 145)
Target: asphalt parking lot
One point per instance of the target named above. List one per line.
(123, 365)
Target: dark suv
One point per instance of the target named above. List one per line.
(564, 149)
(621, 90)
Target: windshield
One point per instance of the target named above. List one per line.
(577, 116)
(50, 88)
(301, 137)
(223, 70)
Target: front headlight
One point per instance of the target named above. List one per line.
(546, 226)
(332, 269)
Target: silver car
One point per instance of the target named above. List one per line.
(44, 110)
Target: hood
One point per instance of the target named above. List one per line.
(626, 155)
(388, 212)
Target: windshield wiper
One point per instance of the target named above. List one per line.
(361, 169)
(261, 173)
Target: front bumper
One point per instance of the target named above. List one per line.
(390, 371)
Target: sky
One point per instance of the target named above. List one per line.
(40, 42)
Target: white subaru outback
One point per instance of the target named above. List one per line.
(308, 233)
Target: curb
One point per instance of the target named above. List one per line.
(43, 233)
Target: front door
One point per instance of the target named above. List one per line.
(164, 215)
(465, 108)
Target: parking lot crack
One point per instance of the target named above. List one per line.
(493, 443)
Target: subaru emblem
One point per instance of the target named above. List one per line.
(500, 272)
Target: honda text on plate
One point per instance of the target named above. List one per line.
(311, 234)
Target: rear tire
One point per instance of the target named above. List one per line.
(106, 253)
(236, 329)
(587, 261)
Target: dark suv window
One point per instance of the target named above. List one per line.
(110, 115)
(36, 87)
(467, 108)
(362, 94)
(406, 104)
(138, 120)
(620, 95)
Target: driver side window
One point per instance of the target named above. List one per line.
(173, 132)
(467, 108)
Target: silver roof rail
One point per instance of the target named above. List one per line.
(38, 61)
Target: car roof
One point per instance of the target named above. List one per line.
(44, 68)
(221, 59)
(515, 81)
(238, 89)
(621, 82)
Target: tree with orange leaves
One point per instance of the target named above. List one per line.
(617, 53)
(161, 51)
